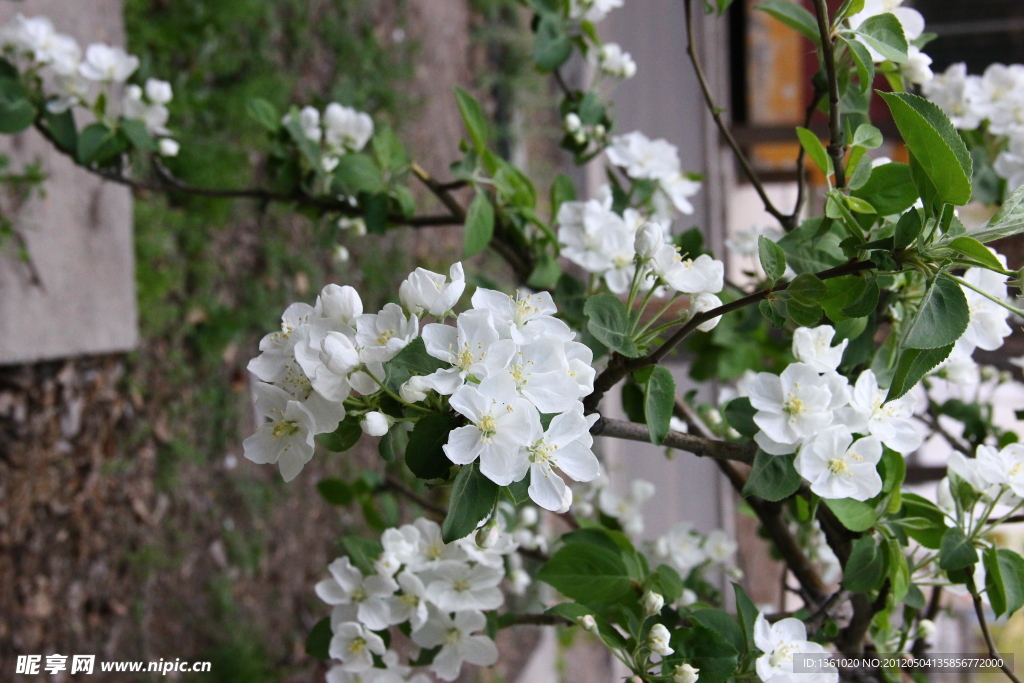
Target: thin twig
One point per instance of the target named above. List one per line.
(440, 192)
(825, 611)
(393, 484)
(540, 620)
(685, 413)
(836, 148)
(698, 445)
(979, 609)
(716, 114)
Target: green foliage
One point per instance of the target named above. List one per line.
(889, 189)
(942, 317)
(1004, 580)
(772, 477)
(854, 515)
(424, 453)
(473, 118)
(773, 258)
(956, 551)
(587, 573)
(706, 649)
(344, 437)
(795, 16)
(884, 33)
(318, 642)
(609, 323)
(867, 566)
(16, 112)
(479, 227)
(659, 402)
(912, 366)
(553, 47)
(335, 491)
(815, 150)
(473, 499)
(740, 416)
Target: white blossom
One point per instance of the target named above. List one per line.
(614, 61)
(345, 129)
(410, 603)
(813, 345)
(376, 423)
(458, 644)
(627, 508)
(355, 646)
(950, 91)
(790, 407)
(566, 446)
(355, 597)
(286, 438)
(592, 10)
(523, 318)
(458, 586)
(838, 467)
(106, 63)
(691, 276)
(685, 673)
(471, 347)
(427, 292)
(917, 68)
(658, 639)
(381, 336)
(719, 547)
(890, 422)
(681, 548)
(988, 327)
(168, 147)
(1003, 467)
(780, 642)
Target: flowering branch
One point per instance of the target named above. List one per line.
(979, 609)
(698, 445)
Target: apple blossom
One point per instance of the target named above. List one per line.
(838, 467)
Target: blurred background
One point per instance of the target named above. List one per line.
(130, 525)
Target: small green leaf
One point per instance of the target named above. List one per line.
(867, 136)
(968, 246)
(899, 570)
(318, 642)
(342, 438)
(807, 288)
(587, 573)
(474, 119)
(795, 16)
(358, 173)
(609, 322)
(956, 552)
(137, 135)
(472, 501)
(552, 46)
(773, 258)
(335, 491)
(740, 416)
(907, 229)
(861, 59)
(1004, 580)
(804, 314)
(706, 650)
(414, 357)
(747, 613)
(935, 145)
(97, 143)
(425, 452)
(942, 317)
(866, 568)
(884, 33)
(815, 150)
(922, 520)
(62, 130)
(659, 401)
(16, 112)
(854, 515)
(264, 113)
(1007, 221)
(772, 477)
(913, 365)
(479, 228)
(362, 552)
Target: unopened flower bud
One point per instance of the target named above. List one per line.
(487, 535)
(925, 629)
(356, 225)
(653, 602)
(587, 623)
(658, 639)
(572, 122)
(529, 515)
(375, 423)
(649, 238)
(414, 390)
(341, 254)
(169, 147)
(599, 131)
(685, 673)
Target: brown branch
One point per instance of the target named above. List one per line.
(834, 601)
(716, 114)
(440, 192)
(836, 148)
(540, 620)
(979, 609)
(698, 445)
(393, 484)
(685, 413)
(620, 366)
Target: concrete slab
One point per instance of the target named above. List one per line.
(79, 235)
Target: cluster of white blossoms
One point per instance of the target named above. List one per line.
(440, 590)
(504, 363)
(989, 323)
(339, 130)
(592, 10)
(993, 101)
(612, 60)
(836, 430)
(917, 67)
(658, 161)
(994, 473)
(80, 78)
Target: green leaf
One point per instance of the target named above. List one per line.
(722, 623)
(552, 46)
(1004, 580)
(669, 583)
(425, 452)
(807, 288)
(772, 477)
(865, 302)
(605, 631)
(1007, 221)
(866, 568)
(392, 445)
(335, 491)
(318, 642)
(771, 314)
(841, 293)
(935, 145)
(815, 150)
(804, 314)
(358, 173)
(740, 416)
(773, 258)
(747, 613)
(659, 400)
(62, 130)
(415, 358)
(137, 135)
(794, 16)
(609, 322)
(545, 273)
(914, 364)
(472, 501)
(970, 247)
(264, 113)
(362, 552)
(899, 570)
(889, 189)
(956, 552)
(861, 58)
(520, 490)
(922, 520)
(907, 229)
(854, 515)
(884, 33)
(97, 143)
(16, 112)
(474, 119)
(942, 317)
(587, 573)
(706, 650)
(867, 136)
(388, 149)
(342, 438)
(479, 227)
